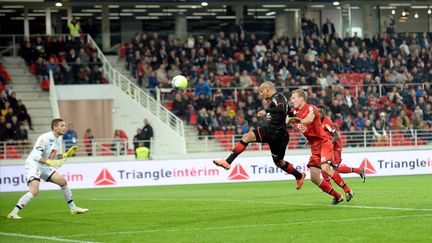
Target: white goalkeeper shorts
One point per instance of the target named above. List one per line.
(37, 172)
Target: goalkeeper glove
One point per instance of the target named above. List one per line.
(70, 152)
(55, 163)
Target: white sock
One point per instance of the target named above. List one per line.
(22, 202)
(68, 197)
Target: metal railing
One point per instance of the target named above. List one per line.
(95, 147)
(356, 139)
(167, 93)
(10, 44)
(55, 112)
(225, 142)
(137, 94)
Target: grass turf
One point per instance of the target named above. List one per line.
(385, 209)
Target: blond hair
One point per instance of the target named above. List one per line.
(300, 93)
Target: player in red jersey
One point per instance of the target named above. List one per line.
(330, 129)
(308, 121)
(274, 133)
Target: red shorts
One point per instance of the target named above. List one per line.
(337, 156)
(322, 152)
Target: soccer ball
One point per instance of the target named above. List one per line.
(179, 82)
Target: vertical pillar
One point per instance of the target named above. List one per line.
(58, 24)
(287, 22)
(239, 12)
(367, 19)
(48, 28)
(346, 20)
(430, 22)
(69, 14)
(106, 36)
(181, 26)
(26, 23)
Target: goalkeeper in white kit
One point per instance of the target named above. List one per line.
(41, 164)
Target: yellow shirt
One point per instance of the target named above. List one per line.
(142, 153)
(74, 30)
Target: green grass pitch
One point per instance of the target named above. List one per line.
(385, 209)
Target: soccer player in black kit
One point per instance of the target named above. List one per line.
(274, 133)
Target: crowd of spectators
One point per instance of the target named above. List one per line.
(71, 59)
(13, 113)
(392, 73)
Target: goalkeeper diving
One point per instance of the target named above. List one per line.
(42, 163)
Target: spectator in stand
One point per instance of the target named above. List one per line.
(70, 137)
(328, 28)
(118, 144)
(74, 28)
(427, 114)
(9, 133)
(137, 140)
(202, 88)
(41, 69)
(379, 131)
(306, 25)
(245, 80)
(204, 123)
(7, 111)
(147, 133)
(22, 137)
(153, 83)
(180, 107)
(226, 122)
(29, 53)
(88, 141)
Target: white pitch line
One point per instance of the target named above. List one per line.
(267, 202)
(254, 225)
(53, 238)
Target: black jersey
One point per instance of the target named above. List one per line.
(277, 111)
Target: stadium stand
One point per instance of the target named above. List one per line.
(369, 85)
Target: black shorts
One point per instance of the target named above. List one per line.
(276, 139)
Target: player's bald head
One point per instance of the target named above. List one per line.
(267, 85)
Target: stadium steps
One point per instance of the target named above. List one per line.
(28, 90)
(119, 65)
(195, 145)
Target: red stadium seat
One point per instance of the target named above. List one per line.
(44, 85)
(193, 118)
(230, 133)
(169, 105)
(106, 149)
(12, 152)
(374, 54)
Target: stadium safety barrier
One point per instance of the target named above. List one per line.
(357, 139)
(224, 141)
(202, 170)
(355, 90)
(95, 147)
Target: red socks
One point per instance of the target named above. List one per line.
(289, 168)
(340, 182)
(238, 149)
(326, 187)
(326, 177)
(345, 169)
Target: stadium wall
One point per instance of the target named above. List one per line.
(127, 114)
(115, 173)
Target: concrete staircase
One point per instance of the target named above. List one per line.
(203, 145)
(28, 90)
(119, 65)
(193, 144)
